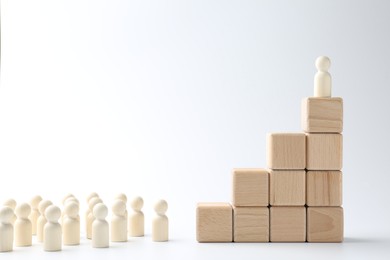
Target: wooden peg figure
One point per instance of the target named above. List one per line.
(100, 230)
(89, 197)
(89, 210)
(322, 79)
(12, 204)
(6, 229)
(69, 200)
(92, 195)
(91, 217)
(52, 230)
(34, 215)
(71, 224)
(160, 222)
(42, 206)
(119, 222)
(23, 227)
(67, 196)
(123, 197)
(72, 199)
(136, 219)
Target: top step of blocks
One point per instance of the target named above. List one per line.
(322, 115)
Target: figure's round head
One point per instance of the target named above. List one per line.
(10, 203)
(100, 211)
(92, 195)
(34, 202)
(42, 206)
(119, 207)
(323, 63)
(52, 213)
(93, 202)
(161, 207)
(66, 197)
(23, 210)
(137, 203)
(71, 209)
(121, 196)
(6, 214)
(72, 199)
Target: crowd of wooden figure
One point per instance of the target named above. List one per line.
(54, 228)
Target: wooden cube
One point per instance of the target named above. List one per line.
(324, 152)
(250, 187)
(323, 188)
(287, 188)
(286, 151)
(251, 224)
(322, 115)
(325, 224)
(214, 222)
(288, 224)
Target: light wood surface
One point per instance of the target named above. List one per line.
(287, 188)
(324, 188)
(250, 187)
(251, 224)
(322, 115)
(324, 152)
(288, 224)
(286, 151)
(214, 222)
(325, 224)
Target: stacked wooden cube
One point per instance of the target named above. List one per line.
(322, 120)
(286, 158)
(298, 198)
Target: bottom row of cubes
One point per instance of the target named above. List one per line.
(220, 222)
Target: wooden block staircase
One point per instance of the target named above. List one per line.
(298, 197)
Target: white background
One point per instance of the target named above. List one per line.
(163, 98)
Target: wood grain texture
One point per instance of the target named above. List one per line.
(322, 115)
(325, 224)
(288, 224)
(323, 188)
(251, 224)
(214, 222)
(250, 187)
(287, 188)
(286, 151)
(324, 152)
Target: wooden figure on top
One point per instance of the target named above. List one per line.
(322, 79)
